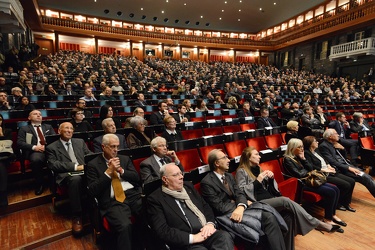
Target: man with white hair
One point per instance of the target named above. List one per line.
(180, 217)
(113, 180)
(150, 167)
(337, 159)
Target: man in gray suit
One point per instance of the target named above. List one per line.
(150, 168)
(109, 127)
(66, 159)
(31, 140)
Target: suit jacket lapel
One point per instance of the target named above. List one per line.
(61, 148)
(155, 165)
(218, 183)
(171, 202)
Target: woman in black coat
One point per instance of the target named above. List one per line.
(78, 122)
(296, 165)
(343, 182)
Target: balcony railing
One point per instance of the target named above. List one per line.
(353, 49)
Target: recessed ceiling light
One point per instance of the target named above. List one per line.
(240, 1)
(201, 16)
(225, 2)
(162, 11)
(219, 18)
(222, 10)
(260, 9)
(141, 8)
(239, 10)
(167, 1)
(238, 19)
(185, 4)
(274, 3)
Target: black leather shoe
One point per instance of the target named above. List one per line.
(335, 228)
(349, 208)
(341, 207)
(340, 222)
(39, 190)
(340, 230)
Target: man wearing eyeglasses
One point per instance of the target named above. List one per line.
(113, 180)
(221, 192)
(109, 127)
(150, 168)
(66, 159)
(81, 105)
(180, 217)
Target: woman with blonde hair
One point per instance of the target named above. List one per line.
(296, 165)
(232, 103)
(292, 130)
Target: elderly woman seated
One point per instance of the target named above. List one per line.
(140, 136)
(170, 133)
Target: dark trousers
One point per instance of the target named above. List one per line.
(330, 199)
(118, 216)
(271, 228)
(3, 183)
(346, 186)
(37, 163)
(74, 184)
(366, 180)
(218, 241)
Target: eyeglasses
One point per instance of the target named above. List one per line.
(224, 157)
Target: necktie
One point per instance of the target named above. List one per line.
(162, 161)
(117, 188)
(342, 133)
(71, 153)
(226, 185)
(42, 141)
(268, 122)
(192, 219)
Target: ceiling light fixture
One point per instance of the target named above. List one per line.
(176, 21)
(106, 11)
(144, 17)
(155, 18)
(131, 15)
(119, 13)
(187, 22)
(197, 23)
(166, 20)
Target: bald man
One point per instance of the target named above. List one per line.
(66, 157)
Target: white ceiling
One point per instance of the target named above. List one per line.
(236, 15)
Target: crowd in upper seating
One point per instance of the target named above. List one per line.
(275, 96)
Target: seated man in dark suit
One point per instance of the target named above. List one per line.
(342, 127)
(113, 180)
(180, 217)
(181, 116)
(66, 158)
(359, 124)
(337, 159)
(31, 140)
(141, 101)
(245, 112)
(150, 167)
(109, 128)
(158, 116)
(68, 90)
(221, 192)
(264, 120)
